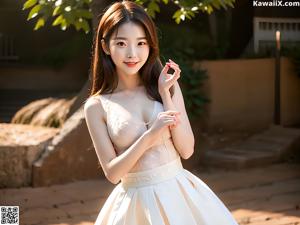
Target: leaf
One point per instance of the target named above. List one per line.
(216, 4)
(34, 12)
(86, 28)
(58, 20)
(77, 25)
(70, 18)
(177, 20)
(57, 11)
(209, 9)
(63, 24)
(29, 4)
(82, 23)
(83, 13)
(40, 23)
(155, 7)
(176, 14)
(152, 8)
(82, 9)
(191, 13)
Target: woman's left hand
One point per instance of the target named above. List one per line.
(166, 80)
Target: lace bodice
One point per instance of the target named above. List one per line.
(124, 129)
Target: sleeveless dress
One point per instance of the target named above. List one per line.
(158, 190)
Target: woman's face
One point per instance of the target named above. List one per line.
(128, 48)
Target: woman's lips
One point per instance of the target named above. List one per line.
(131, 64)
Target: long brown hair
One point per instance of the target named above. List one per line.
(103, 73)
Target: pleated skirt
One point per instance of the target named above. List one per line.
(165, 195)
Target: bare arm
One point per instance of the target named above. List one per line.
(183, 131)
(114, 167)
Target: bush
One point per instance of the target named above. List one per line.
(184, 51)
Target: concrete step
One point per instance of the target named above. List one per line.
(267, 147)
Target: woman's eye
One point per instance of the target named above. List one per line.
(121, 43)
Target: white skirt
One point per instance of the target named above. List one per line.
(165, 195)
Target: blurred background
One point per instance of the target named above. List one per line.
(240, 80)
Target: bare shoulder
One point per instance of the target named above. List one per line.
(93, 107)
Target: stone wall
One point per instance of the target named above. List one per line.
(242, 94)
(70, 156)
(20, 146)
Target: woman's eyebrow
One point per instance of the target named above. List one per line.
(123, 38)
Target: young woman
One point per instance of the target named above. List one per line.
(137, 121)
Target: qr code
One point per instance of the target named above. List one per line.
(9, 215)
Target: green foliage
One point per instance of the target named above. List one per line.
(182, 52)
(198, 45)
(187, 8)
(63, 12)
(78, 12)
(191, 81)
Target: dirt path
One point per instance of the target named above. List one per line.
(261, 196)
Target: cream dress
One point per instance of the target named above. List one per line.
(158, 190)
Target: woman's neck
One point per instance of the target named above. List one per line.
(128, 81)
(128, 84)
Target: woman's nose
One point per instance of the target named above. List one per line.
(131, 52)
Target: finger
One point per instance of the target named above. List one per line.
(176, 74)
(169, 122)
(175, 113)
(167, 117)
(171, 118)
(170, 60)
(170, 74)
(165, 69)
(173, 65)
(172, 112)
(177, 71)
(174, 68)
(172, 79)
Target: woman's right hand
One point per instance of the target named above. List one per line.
(163, 121)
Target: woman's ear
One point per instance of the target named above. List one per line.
(104, 47)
